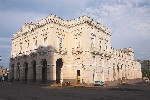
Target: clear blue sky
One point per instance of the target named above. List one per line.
(128, 20)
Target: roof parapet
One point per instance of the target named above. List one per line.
(28, 27)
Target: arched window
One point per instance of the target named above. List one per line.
(28, 45)
(77, 40)
(106, 46)
(93, 40)
(45, 41)
(100, 44)
(60, 40)
(20, 48)
(36, 43)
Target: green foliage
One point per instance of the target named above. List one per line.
(146, 73)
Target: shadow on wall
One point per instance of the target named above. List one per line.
(32, 66)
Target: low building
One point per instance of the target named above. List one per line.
(54, 50)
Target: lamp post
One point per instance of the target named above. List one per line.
(0, 59)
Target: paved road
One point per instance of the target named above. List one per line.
(35, 92)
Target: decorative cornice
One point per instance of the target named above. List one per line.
(30, 27)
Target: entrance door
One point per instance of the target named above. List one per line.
(34, 71)
(78, 76)
(26, 71)
(59, 65)
(44, 71)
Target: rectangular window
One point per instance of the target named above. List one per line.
(78, 72)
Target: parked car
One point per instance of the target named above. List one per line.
(98, 83)
(146, 79)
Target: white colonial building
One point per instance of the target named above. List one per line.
(54, 50)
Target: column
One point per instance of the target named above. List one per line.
(30, 73)
(15, 72)
(39, 73)
(51, 73)
(103, 70)
(22, 73)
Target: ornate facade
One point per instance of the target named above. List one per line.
(54, 50)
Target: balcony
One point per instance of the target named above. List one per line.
(77, 51)
(62, 51)
(95, 51)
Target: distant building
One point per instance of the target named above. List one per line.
(3, 71)
(54, 50)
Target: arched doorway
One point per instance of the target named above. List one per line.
(59, 65)
(34, 71)
(25, 71)
(12, 72)
(18, 71)
(44, 71)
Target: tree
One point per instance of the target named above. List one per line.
(145, 68)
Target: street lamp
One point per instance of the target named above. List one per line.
(0, 58)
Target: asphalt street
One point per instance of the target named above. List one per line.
(9, 91)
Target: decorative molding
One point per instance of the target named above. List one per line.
(53, 19)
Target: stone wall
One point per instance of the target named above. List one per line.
(54, 50)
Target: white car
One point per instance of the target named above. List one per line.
(98, 83)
